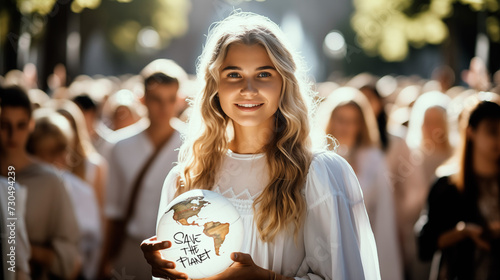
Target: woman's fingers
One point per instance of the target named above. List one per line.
(242, 258)
(151, 244)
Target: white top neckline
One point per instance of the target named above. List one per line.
(244, 156)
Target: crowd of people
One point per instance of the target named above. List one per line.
(91, 156)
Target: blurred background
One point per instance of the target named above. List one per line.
(115, 37)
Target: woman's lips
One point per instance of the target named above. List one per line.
(249, 107)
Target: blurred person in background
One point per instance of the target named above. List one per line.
(445, 76)
(138, 167)
(428, 134)
(463, 219)
(122, 109)
(101, 141)
(84, 161)
(50, 219)
(477, 76)
(409, 187)
(347, 116)
(52, 141)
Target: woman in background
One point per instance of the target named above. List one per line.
(463, 219)
(52, 141)
(347, 116)
(410, 189)
(83, 159)
(428, 135)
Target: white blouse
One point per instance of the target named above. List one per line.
(336, 240)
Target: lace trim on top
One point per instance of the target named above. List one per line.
(242, 202)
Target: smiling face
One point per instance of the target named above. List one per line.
(249, 86)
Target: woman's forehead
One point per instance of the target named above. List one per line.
(240, 54)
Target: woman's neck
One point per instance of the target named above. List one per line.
(484, 166)
(250, 140)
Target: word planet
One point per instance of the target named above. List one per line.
(204, 229)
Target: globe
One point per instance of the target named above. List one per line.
(204, 229)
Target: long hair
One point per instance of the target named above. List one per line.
(288, 153)
(82, 148)
(464, 178)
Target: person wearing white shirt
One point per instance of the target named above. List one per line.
(249, 138)
(127, 161)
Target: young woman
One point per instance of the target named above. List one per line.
(84, 161)
(410, 189)
(249, 139)
(428, 136)
(464, 208)
(347, 115)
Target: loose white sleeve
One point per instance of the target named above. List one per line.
(338, 239)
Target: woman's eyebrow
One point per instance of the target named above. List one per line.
(265, 68)
(231, 68)
(258, 68)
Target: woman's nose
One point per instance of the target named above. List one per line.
(249, 87)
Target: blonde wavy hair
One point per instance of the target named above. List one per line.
(288, 154)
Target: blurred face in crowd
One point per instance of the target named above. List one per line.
(434, 125)
(123, 117)
(53, 151)
(486, 139)
(160, 100)
(15, 127)
(345, 124)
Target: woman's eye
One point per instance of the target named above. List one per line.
(264, 75)
(233, 75)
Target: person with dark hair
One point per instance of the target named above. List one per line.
(406, 177)
(138, 166)
(50, 219)
(463, 219)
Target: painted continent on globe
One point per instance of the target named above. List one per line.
(191, 207)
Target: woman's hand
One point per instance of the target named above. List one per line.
(160, 267)
(243, 268)
(461, 232)
(475, 232)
